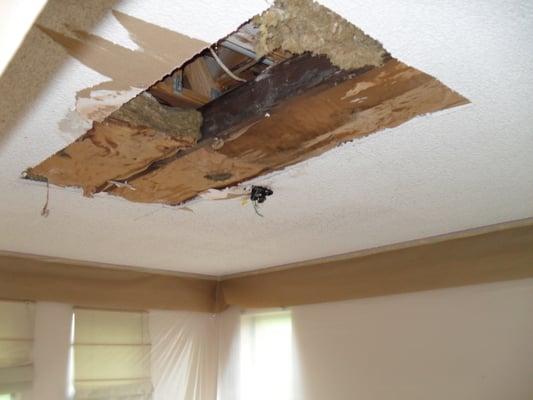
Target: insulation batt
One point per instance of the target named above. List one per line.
(299, 26)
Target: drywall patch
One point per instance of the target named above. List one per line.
(298, 26)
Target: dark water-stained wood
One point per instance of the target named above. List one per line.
(275, 85)
(290, 130)
(294, 110)
(311, 81)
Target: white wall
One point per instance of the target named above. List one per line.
(466, 343)
(228, 332)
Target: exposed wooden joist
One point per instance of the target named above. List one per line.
(293, 111)
(200, 78)
(276, 85)
(183, 98)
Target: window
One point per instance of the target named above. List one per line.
(111, 355)
(16, 346)
(266, 356)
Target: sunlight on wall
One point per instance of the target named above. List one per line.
(266, 356)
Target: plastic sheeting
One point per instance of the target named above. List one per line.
(159, 355)
(184, 355)
(182, 361)
(464, 343)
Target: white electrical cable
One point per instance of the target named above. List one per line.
(226, 69)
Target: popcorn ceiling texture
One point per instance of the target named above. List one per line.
(304, 25)
(460, 169)
(23, 79)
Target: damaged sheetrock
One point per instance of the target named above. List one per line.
(131, 71)
(300, 26)
(111, 151)
(343, 86)
(305, 126)
(127, 68)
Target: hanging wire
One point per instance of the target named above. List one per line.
(45, 211)
(223, 66)
(256, 208)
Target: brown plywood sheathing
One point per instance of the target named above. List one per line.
(296, 129)
(129, 140)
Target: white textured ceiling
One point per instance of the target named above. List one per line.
(464, 168)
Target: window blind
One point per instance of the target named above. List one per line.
(16, 345)
(111, 355)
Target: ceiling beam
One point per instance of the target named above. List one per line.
(276, 85)
(294, 110)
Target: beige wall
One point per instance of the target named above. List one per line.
(468, 343)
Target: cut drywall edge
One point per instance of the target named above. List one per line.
(131, 71)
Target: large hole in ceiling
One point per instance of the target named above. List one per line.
(290, 84)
